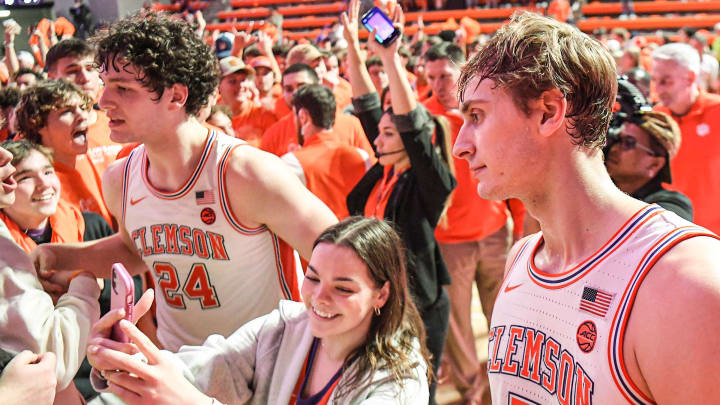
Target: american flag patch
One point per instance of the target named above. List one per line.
(204, 197)
(596, 302)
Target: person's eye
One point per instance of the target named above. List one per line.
(312, 279)
(344, 290)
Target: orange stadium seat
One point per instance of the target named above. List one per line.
(307, 18)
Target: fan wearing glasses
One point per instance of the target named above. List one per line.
(638, 160)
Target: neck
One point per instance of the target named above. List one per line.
(174, 157)
(66, 159)
(630, 185)
(579, 214)
(337, 349)
(29, 224)
(401, 165)
(309, 132)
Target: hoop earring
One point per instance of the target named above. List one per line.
(377, 311)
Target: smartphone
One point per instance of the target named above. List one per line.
(122, 295)
(385, 31)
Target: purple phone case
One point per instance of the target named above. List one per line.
(122, 295)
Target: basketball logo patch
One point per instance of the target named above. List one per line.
(586, 336)
(208, 216)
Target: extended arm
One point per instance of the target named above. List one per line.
(30, 321)
(101, 253)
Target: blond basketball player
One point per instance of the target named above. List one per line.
(614, 301)
(203, 211)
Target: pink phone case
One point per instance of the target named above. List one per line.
(122, 295)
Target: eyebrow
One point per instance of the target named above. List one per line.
(310, 267)
(466, 104)
(21, 172)
(119, 80)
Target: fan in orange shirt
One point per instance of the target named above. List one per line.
(309, 55)
(73, 60)
(697, 113)
(328, 168)
(55, 114)
(237, 91)
(282, 137)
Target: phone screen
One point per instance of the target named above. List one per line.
(376, 19)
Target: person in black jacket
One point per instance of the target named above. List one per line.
(638, 161)
(411, 182)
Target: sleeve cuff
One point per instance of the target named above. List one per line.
(366, 102)
(84, 286)
(413, 121)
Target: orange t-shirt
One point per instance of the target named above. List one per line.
(469, 217)
(102, 151)
(82, 188)
(559, 10)
(62, 27)
(695, 167)
(67, 226)
(331, 169)
(251, 124)
(377, 201)
(343, 94)
(281, 138)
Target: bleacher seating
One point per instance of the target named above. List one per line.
(309, 18)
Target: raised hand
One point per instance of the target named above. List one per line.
(350, 20)
(242, 40)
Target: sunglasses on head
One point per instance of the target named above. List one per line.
(628, 142)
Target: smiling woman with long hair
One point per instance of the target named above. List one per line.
(356, 337)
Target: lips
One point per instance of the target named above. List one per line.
(325, 316)
(9, 184)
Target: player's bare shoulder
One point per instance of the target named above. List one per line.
(673, 328)
(250, 164)
(112, 184)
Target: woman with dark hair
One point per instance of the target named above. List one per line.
(411, 183)
(358, 337)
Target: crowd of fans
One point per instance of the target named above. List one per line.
(358, 129)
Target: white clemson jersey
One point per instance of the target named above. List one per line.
(557, 338)
(212, 274)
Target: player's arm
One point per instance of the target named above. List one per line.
(272, 195)
(671, 346)
(99, 255)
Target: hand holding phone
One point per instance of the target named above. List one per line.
(385, 32)
(122, 295)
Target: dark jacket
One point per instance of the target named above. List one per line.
(417, 200)
(654, 193)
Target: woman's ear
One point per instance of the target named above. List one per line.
(384, 294)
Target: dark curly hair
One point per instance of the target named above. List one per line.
(165, 50)
(37, 101)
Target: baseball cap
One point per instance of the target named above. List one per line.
(261, 61)
(233, 64)
(666, 132)
(223, 45)
(302, 53)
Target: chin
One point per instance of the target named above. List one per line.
(7, 200)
